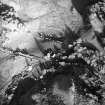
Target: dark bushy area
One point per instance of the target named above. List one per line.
(7, 13)
(80, 61)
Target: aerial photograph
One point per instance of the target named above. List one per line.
(52, 52)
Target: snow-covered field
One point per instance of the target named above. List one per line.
(38, 16)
